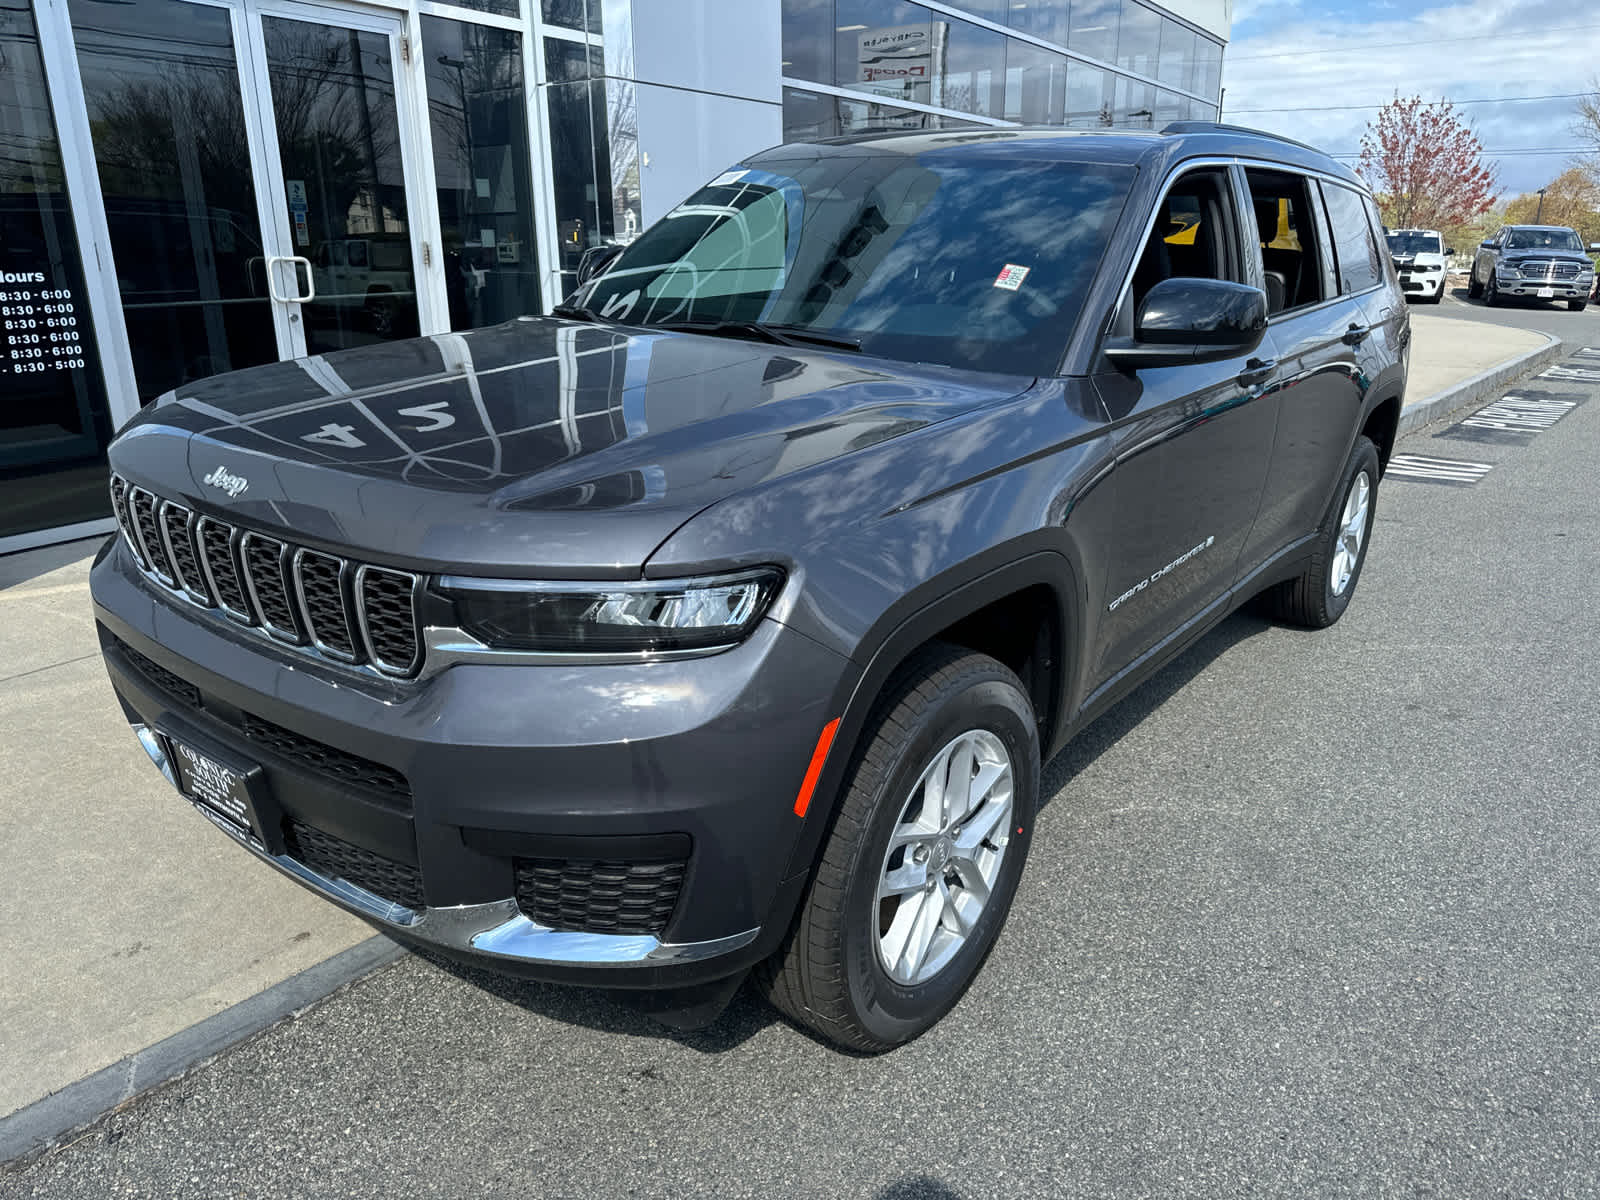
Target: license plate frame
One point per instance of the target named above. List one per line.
(230, 790)
(1547, 293)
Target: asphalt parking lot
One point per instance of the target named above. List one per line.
(1311, 914)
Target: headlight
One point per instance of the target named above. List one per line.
(612, 618)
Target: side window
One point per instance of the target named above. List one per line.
(1360, 264)
(1192, 236)
(1287, 232)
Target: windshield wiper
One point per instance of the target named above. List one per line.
(575, 312)
(782, 335)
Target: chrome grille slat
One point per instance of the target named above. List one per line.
(353, 614)
(177, 539)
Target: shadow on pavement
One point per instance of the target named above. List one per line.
(23, 565)
(916, 1187)
(1091, 743)
(614, 1010)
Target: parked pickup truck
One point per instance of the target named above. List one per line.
(1538, 262)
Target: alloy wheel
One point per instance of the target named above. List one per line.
(944, 856)
(1352, 531)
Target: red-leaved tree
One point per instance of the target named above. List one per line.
(1426, 165)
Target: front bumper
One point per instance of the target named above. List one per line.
(1574, 289)
(1423, 281)
(503, 770)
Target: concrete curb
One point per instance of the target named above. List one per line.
(47, 1122)
(1477, 387)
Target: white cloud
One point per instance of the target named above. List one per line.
(1307, 69)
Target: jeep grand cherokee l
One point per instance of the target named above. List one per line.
(1541, 262)
(723, 620)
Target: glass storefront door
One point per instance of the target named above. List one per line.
(253, 162)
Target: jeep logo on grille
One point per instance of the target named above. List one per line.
(225, 480)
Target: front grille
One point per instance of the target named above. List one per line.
(323, 759)
(174, 685)
(1548, 269)
(599, 896)
(397, 882)
(347, 612)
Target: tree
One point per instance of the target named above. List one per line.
(1571, 199)
(1426, 164)
(1587, 127)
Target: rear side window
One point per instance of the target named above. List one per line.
(1287, 232)
(1355, 247)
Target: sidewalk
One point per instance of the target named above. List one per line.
(131, 921)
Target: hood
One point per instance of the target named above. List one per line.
(1425, 258)
(537, 448)
(1572, 256)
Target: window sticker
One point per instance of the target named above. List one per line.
(1011, 278)
(727, 177)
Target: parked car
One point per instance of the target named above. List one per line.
(1422, 261)
(722, 621)
(1541, 262)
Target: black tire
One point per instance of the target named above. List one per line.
(1491, 291)
(1474, 288)
(1311, 601)
(829, 975)
(1577, 305)
(1437, 297)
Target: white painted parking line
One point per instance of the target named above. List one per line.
(1423, 469)
(1520, 414)
(1589, 352)
(1583, 374)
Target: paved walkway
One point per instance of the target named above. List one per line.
(130, 919)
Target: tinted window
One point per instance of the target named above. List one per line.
(1360, 263)
(1190, 238)
(1410, 242)
(939, 258)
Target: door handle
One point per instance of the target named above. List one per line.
(272, 279)
(1355, 335)
(1257, 370)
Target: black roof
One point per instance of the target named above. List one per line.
(1178, 141)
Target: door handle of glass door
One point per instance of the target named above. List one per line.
(293, 260)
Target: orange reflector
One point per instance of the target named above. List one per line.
(814, 771)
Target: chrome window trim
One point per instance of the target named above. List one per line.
(295, 568)
(198, 595)
(290, 636)
(385, 667)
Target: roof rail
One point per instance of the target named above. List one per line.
(1218, 127)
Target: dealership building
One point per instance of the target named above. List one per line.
(194, 186)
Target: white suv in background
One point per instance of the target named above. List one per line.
(1421, 258)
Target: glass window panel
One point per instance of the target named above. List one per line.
(478, 113)
(1135, 104)
(54, 422)
(622, 127)
(1088, 104)
(1170, 107)
(1094, 28)
(568, 62)
(1138, 38)
(974, 69)
(907, 52)
(1177, 55)
(161, 84)
(1356, 249)
(808, 39)
(579, 154)
(339, 138)
(1036, 85)
(566, 13)
(808, 116)
(1208, 67)
(1042, 18)
(504, 8)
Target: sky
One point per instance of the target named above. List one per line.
(1320, 72)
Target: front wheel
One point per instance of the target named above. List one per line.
(919, 871)
(1491, 291)
(1577, 305)
(1320, 595)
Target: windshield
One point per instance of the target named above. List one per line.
(1543, 239)
(1415, 243)
(939, 258)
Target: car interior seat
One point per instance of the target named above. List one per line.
(1282, 267)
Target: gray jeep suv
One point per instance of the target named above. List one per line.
(723, 619)
(1539, 262)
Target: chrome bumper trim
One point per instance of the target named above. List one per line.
(498, 929)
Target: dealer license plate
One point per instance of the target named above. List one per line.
(217, 786)
(1546, 293)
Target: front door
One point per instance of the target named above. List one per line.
(259, 169)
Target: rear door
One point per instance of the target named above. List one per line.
(1317, 323)
(1192, 442)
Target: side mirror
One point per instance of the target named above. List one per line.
(1192, 320)
(1485, 245)
(1594, 245)
(595, 260)
(1448, 251)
